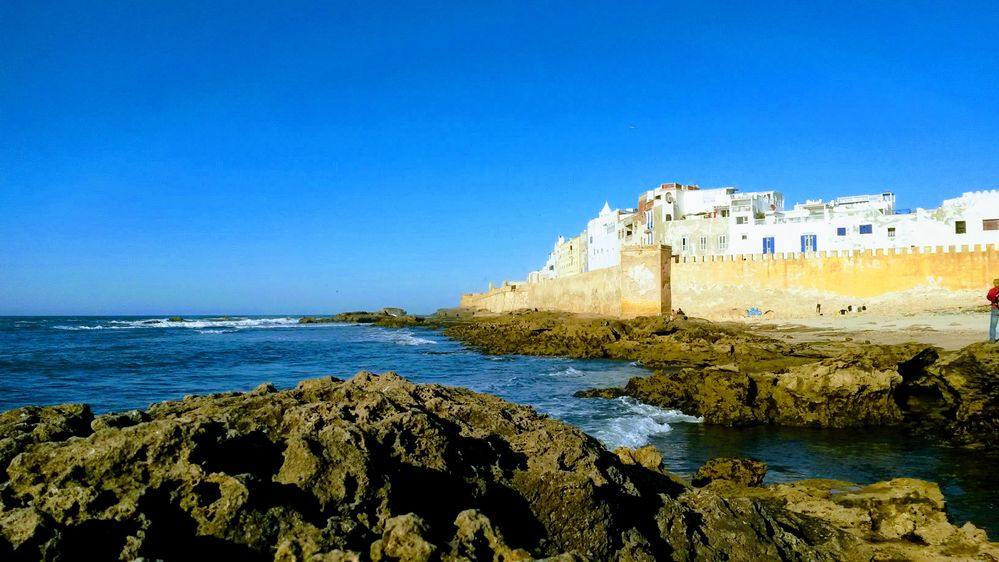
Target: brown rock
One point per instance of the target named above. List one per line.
(377, 467)
(743, 472)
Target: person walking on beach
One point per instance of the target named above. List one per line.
(993, 297)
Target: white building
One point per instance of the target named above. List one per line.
(604, 246)
(724, 221)
(872, 222)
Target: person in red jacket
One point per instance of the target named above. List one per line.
(993, 297)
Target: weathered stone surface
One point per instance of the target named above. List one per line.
(22, 427)
(743, 472)
(655, 341)
(955, 394)
(854, 389)
(377, 468)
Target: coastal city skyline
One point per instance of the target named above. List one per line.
(249, 158)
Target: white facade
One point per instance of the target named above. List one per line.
(604, 246)
(723, 221)
(872, 222)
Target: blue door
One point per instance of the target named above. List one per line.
(768, 245)
(808, 243)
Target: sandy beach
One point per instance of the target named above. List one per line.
(946, 329)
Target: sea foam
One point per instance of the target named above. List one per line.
(635, 423)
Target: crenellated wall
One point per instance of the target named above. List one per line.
(650, 282)
(792, 284)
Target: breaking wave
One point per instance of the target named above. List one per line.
(221, 323)
(635, 423)
(567, 372)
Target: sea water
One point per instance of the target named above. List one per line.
(122, 363)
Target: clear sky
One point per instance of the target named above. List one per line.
(310, 157)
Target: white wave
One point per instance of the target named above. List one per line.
(567, 372)
(194, 324)
(218, 331)
(637, 423)
(657, 413)
(630, 431)
(404, 338)
(398, 337)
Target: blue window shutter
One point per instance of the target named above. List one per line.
(802, 242)
(815, 242)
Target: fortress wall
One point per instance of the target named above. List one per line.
(638, 287)
(648, 282)
(593, 292)
(792, 284)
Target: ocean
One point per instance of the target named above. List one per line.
(123, 363)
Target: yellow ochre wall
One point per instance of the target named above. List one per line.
(648, 282)
(792, 284)
(638, 287)
(593, 292)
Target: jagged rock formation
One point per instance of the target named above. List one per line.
(654, 341)
(732, 377)
(956, 393)
(377, 468)
(852, 390)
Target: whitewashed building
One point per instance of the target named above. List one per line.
(724, 221)
(603, 245)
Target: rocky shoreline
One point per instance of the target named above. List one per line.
(731, 376)
(377, 468)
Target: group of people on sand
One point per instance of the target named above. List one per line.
(993, 296)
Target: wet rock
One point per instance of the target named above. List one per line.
(377, 468)
(854, 389)
(956, 394)
(743, 472)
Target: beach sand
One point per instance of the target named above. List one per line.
(948, 330)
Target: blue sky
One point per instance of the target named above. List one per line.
(310, 157)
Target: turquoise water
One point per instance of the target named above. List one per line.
(130, 362)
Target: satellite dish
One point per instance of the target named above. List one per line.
(773, 207)
(669, 197)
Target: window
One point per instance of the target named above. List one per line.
(722, 242)
(741, 220)
(960, 227)
(841, 231)
(724, 212)
(744, 237)
(990, 224)
(866, 229)
(668, 217)
(683, 244)
(702, 244)
(891, 232)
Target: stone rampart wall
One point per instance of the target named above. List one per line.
(792, 284)
(638, 287)
(593, 292)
